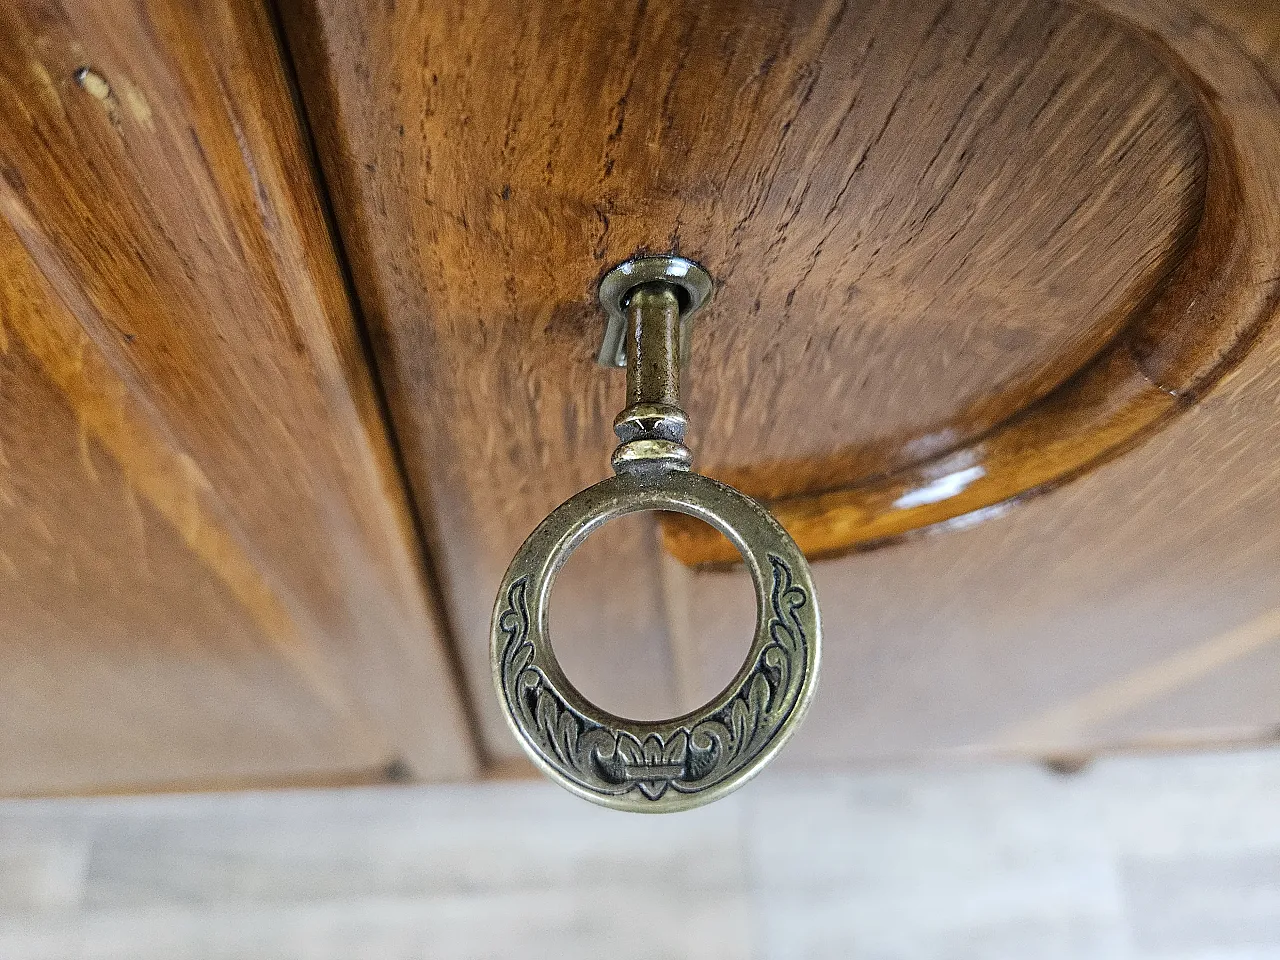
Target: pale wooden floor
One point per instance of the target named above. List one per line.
(1144, 858)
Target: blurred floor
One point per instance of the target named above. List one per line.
(1141, 858)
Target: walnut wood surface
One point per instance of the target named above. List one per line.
(207, 573)
(1023, 238)
(1139, 605)
(1179, 337)
(923, 219)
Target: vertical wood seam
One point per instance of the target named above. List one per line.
(430, 576)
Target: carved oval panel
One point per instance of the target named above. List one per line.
(925, 220)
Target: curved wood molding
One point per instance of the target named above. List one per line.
(1176, 344)
(922, 219)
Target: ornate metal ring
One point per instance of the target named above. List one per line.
(666, 765)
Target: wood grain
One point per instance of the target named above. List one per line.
(920, 220)
(1178, 339)
(208, 570)
(1135, 606)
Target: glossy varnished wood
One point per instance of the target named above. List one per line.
(207, 572)
(1137, 605)
(1179, 337)
(923, 220)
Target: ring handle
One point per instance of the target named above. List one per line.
(668, 765)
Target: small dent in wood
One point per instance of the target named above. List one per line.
(139, 108)
(93, 83)
(96, 85)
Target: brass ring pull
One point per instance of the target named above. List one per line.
(675, 764)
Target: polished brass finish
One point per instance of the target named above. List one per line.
(668, 765)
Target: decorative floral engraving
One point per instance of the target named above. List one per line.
(689, 759)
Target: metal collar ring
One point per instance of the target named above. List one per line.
(667, 765)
